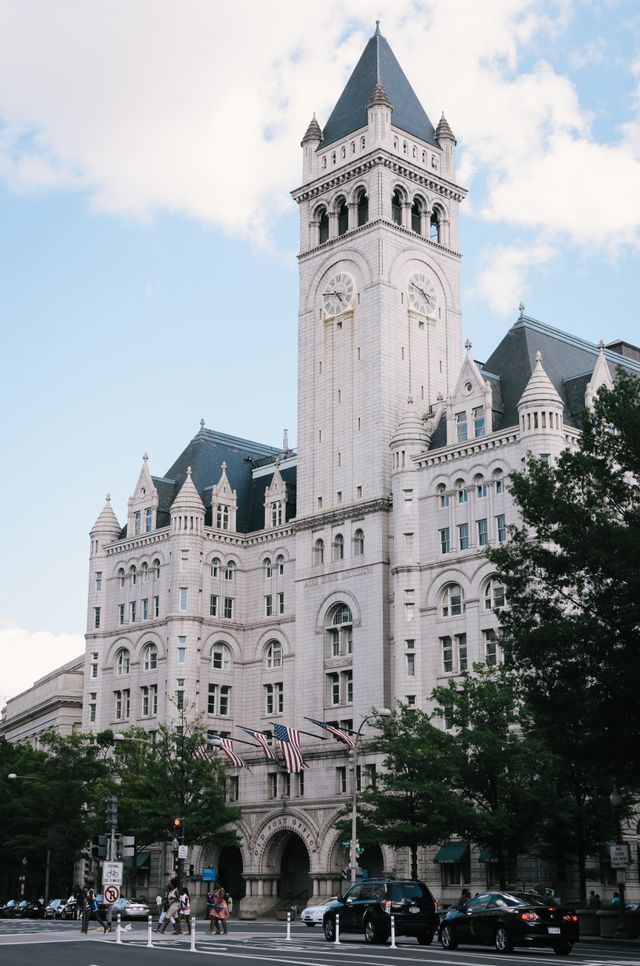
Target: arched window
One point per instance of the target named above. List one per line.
(144, 570)
(268, 569)
(443, 496)
(452, 601)
(338, 547)
(339, 631)
(494, 594)
(133, 575)
(150, 657)
(343, 217)
(404, 147)
(121, 576)
(222, 517)
(416, 217)
(363, 142)
(156, 569)
(273, 654)
(396, 207)
(123, 661)
(434, 230)
(395, 144)
(358, 543)
(229, 570)
(323, 225)
(463, 492)
(220, 657)
(318, 551)
(280, 564)
(498, 481)
(363, 207)
(215, 567)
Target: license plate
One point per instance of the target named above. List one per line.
(554, 930)
(414, 909)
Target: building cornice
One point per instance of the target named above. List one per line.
(438, 185)
(342, 513)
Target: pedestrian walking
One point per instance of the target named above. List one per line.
(172, 914)
(212, 901)
(220, 913)
(185, 908)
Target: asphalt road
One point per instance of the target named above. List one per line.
(33, 943)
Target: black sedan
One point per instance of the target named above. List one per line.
(509, 919)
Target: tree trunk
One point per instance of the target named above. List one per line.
(414, 861)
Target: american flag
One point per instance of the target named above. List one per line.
(336, 732)
(226, 747)
(262, 739)
(202, 753)
(289, 740)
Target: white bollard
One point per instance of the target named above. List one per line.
(192, 948)
(118, 933)
(288, 926)
(337, 939)
(393, 932)
(149, 931)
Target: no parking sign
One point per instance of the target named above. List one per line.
(111, 894)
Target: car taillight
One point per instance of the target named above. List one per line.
(570, 917)
(529, 916)
(386, 905)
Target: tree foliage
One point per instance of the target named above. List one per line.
(572, 573)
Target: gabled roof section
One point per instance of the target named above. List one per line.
(378, 66)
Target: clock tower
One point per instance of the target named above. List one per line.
(379, 314)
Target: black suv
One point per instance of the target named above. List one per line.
(369, 905)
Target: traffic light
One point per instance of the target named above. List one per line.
(99, 847)
(178, 828)
(111, 812)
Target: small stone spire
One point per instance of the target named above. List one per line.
(379, 97)
(377, 31)
(285, 441)
(313, 132)
(145, 457)
(443, 131)
(201, 424)
(521, 310)
(601, 346)
(468, 345)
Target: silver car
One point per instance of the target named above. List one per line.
(312, 915)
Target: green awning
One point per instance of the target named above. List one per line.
(452, 852)
(142, 860)
(487, 855)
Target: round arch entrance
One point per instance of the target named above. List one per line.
(287, 860)
(230, 868)
(372, 861)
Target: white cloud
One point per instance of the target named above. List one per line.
(26, 656)
(590, 53)
(502, 281)
(199, 108)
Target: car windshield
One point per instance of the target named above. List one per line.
(406, 890)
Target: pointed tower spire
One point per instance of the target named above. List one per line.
(313, 132)
(443, 131)
(107, 522)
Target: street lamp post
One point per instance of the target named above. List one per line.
(353, 845)
(23, 877)
(617, 801)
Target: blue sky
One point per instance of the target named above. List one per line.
(147, 237)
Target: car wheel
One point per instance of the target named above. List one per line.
(446, 938)
(503, 940)
(425, 938)
(329, 926)
(372, 932)
(562, 949)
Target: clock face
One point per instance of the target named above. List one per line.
(423, 297)
(338, 294)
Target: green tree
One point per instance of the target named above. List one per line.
(500, 773)
(175, 776)
(412, 803)
(572, 575)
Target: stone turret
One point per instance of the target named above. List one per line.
(540, 413)
(187, 510)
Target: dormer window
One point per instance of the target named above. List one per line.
(478, 422)
(462, 434)
(276, 514)
(137, 523)
(222, 517)
(148, 520)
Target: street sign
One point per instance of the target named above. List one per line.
(619, 855)
(111, 894)
(346, 843)
(183, 851)
(111, 873)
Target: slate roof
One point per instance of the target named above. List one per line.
(567, 360)
(205, 454)
(378, 65)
